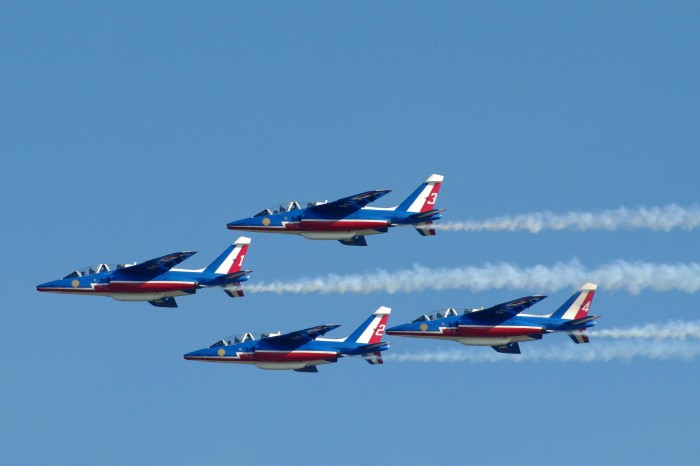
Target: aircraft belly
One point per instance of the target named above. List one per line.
(496, 331)
(292, 356)
(493, 341)
(148, 287)
(338, 235)
(485, 341)
(342, 225)
(289, 366)
(143, 296)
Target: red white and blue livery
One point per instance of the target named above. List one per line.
(157, 280)
(349, 219)
(301, 350)
(503, 326)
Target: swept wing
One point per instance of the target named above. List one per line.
(299, 337)
(158, 265)
(507, 310)
(350, 204)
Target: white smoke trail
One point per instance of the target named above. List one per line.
(664, 218)
(632, 277)
(598, 352)
(673, 330)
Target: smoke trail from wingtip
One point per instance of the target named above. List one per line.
(618, 351)
(666, 218)
(632, 277)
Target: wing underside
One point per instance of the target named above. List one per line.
(509, 348)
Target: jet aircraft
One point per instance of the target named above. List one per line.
(503, 326)
(156, 280)
(348, 220)
(302, 350)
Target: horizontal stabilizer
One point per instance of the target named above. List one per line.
(579, 336)
(354, 241)
(234, 290)
(381, 346)
(164, 302)
(425, 229)
(231, 277)
(311, 369)
(373, 358)
(510, 348)
(428, 213)
(582, 320)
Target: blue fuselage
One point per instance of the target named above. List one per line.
(314, 224)
(265, 353)
(488, 332)
(121, 285)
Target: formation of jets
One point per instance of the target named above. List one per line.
(348, 220)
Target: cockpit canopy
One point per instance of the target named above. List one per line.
(93, 269)
(282, 207)
(243, 337)
(449, 312)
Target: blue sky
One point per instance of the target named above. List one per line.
(131, 131)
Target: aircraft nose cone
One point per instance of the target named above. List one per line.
(234, 224)
(194, 355)
(46, 286)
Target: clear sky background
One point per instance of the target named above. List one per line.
(133, 130)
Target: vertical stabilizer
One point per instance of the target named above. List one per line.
(231, 260)
(577, 306)
(423, 198)
(372, 330)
